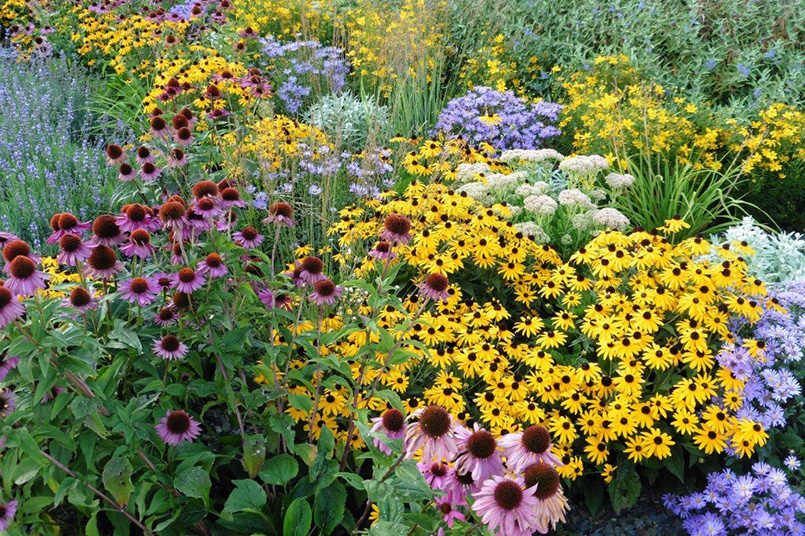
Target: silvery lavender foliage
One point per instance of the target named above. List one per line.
(348, 120)
(501, 119)
(760, 503)
(778, 256)
(303, 69)
(51, 161)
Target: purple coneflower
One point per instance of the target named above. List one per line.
(23, 277)
(396, 229)
(311, 270)
(114, 154)
(164, 280)
(6, 237)
(140, 290)
(165, 317)
(18, 248)
(533, 445)
(248, 238)
(170, 347)
(173, 214)
(125, 172)
(206, 207)
(144, 155)
(459, 485)
(67, 224)
(139, 245)
(177, 427)
(448, 510)
(435, 432)
(435, 287)
(7, 364)
(506, 508)
(435, 473)
(102, 263)
(177, 158)
(218, 113)
(382, 250)
(10, 307)
(392, 425)
(479, 455)
(204, 189)
(106, 231)
(213, 265)
(183, 136)
(230, 198)
(149, 172)
(281, 213)
(8, 402)
(552, 504)
(52, 394)
(325, 292)
(7, 513)
(73, 250)
(159, 127)
(137, 216)
(188, 280)
(80, 299)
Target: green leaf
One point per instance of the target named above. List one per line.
(254, 454)
(194, 482)
(247, 495)
(117, 479)
(298, 519)
(624, 490)
(676, 464)
(300, 402)
(593, 495)
(279, 470)
(328, 507)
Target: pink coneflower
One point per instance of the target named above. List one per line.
(6, 237)
(248, 238)
(173, 214)
(73, 250)
(435, 473)
(23, 277)
(448, 510)
(170, 347)
(7, 513)
(533, 445)
(149, 172)
(136, 216)
(213, 265)
(218, 113)
(177, 427)
(325, 292)
(188, 280)
(552, 501)
(188, 114)
(139, 245)
(196, 223)
(106, 231)
(80, 299)
(144, 155)
(125, 172)
(140, 290)
(176, 257)
(177, 158)
(506, 508)
(392, 425)
(382, 250)
(114, 154)
(226, 221)
(435, 287)
(281, 213)
(10, 307)
(204, 189)
(459, 485)
(435, 432)
(102, 263)
(230, 197)
(8, 402)
(7, 364)
(165, 317)
(183, 136)
(52, 394)
(311, 270)
(479, 455)
(67, 225)
(164, 280)
(18, 248)
(206, 207)
(396, 229)
(159, 127)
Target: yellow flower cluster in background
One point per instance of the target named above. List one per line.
(280, 18)
(58, 278)
(492, 66)
(385, 43)
(777, 137)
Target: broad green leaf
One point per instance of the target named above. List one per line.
(247, 495)
(279, 470)
(298, 519)
(194, 482)
(328, 507)
(117, 479)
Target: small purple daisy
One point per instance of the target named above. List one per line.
(7, 513)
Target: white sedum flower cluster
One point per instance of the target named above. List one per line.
(584, 165)
(530, 155)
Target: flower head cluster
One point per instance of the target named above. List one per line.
(500, 119)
